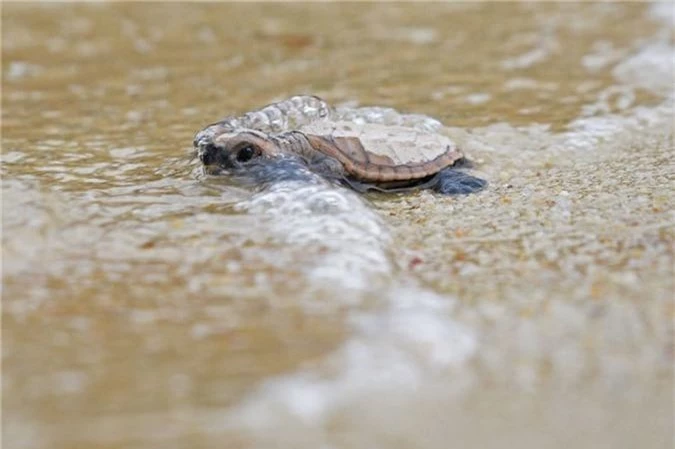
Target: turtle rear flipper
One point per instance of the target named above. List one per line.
(454, 182)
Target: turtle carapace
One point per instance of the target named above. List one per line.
(363, 156)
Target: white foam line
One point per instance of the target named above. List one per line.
(391, 352)
(352, 237)
(392, 355)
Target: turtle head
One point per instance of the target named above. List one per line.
(251, 156)
(236, 151)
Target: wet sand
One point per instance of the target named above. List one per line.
(144, 306)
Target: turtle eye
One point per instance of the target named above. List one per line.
(246, 153)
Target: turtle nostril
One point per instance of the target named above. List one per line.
(208, 154)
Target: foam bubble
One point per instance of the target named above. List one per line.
(353, 240)
(393, 355)
(392, 352)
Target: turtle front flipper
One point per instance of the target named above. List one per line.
(451, 181)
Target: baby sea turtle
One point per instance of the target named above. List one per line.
(363, 156)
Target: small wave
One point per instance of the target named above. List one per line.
(393, 350)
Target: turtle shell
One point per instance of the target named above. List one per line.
(382, 153)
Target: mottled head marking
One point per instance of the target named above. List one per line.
(236, 149)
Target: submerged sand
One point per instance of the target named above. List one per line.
(146, 307)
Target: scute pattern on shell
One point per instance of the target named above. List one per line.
(387, 116)
(403, 145)
(299, 110)
(274, 118)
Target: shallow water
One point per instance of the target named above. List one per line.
(144, 306)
